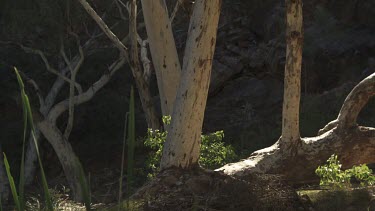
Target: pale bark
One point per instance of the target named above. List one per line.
(44, 109)
(353, 144)
(66, 156)
(292, 82)
(163, 51)
(59, 143)
(142, 86)
(183, 142)
(4, 184)
(73, 74)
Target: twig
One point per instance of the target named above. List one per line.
(73, 75)
(48, 66)
(175, 10)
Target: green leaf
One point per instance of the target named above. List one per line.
(12, 184)
(131, 140)
(29, 117)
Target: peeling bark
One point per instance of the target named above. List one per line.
(292, 79)
(183, 142)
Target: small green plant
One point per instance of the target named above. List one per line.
(214, 153)
(332, 175)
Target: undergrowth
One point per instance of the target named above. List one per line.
(213, 154)
(331, 174)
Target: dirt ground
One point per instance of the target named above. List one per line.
(201, 189)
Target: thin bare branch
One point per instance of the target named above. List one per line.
(48, 66)
(73, 75)
(143, 87)
(123, 49)
(175, 10)
(62, 106)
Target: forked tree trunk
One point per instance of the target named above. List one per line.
(163, 52)
(353, 144)
(292, 81)
(183, 142)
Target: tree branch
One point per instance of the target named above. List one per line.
(48, 66)
(61, 107)
(73, 74)
(35, 86)
(355, 101)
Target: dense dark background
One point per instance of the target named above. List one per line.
(247, 78)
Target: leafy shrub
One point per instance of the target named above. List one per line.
(331, 174)
(214, 153)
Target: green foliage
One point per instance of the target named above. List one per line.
(12, 184)
(214, 153)
(363, 174)
(29, 118)
(331, 174)
(154, 140)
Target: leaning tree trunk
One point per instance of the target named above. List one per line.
(31, 156)
(163, 52)
(4, 184)
(292, 82)
(66, 155)
(183, 142)
(352, 143)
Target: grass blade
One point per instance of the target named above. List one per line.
(122, 161)
(131, 141)
(85, 186)
(12, 184)
(21, 185)
(1, 205)
(29, 117)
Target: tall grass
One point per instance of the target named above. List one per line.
(12, 184)
(84, 186)
(122, 161)
(131, 141)
(1, 205)
(129, 128)
(19, 200)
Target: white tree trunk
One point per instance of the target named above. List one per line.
(163, 52)
(292, 82)
(353, 144)
(183, 142)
